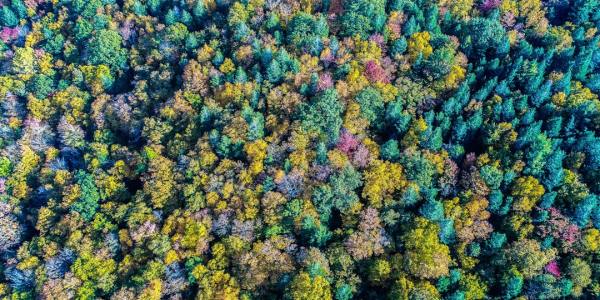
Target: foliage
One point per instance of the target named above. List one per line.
(281, 149)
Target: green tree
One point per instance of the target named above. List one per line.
(323, 114)
(379, 271)
(8, 17)
(305, 31)
(87, 204)
(371, 104)
(105, 48)
(362, 17)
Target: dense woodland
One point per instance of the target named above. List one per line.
(299, 149)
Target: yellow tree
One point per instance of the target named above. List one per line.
(425, 256)
(418, 44)
(307, 287)
(159, 184)
(382, 180)
(527, 191)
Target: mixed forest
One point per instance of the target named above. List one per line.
(299, 149)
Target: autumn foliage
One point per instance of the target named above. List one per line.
(309, 149)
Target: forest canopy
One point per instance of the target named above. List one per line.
(299, 149)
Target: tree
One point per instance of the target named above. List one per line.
(580, 273)
(159, 183)
(57, 266)
(512, 282)
(70, 135)
(528, 257)
(343, 188)
(306, 32)
(20, 280)
(307, 287)
(8, 17)
(87, 204)
(97, 78)
(105, 48)
(323, 114)
(362, 17)
(473, 287)
(459, 9)
(10, 228)
(425, 256)
(527, 191)
(23, 61)
(96, 273)
(424, 290)
(418, 46)
(584, 210)
(41, 86)
(370, 239)
(264, 265)
(371, 105)
(274, 72)
(379, 271)
(484, 34)
(390, 150)
(382, 180)
(82, 30)
(215, 284)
